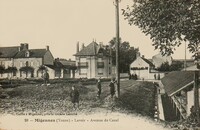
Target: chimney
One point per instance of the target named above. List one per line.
(21, 46)
(57, 59)
(142, 56)
(82, 46)
(77, 47)
(47, 48)
(138, 55)
(101, 44)
(26, 46)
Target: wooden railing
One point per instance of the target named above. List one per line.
(181, 106)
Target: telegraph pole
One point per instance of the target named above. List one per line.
(196, 95)
(117, 47)
(196, 87)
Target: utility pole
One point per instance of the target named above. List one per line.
(185, 63)
(117, 47)
(196, 87)
(196, 95)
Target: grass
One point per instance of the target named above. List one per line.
(136, 97)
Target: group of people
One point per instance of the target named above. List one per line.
(111, 85)
(74, 94)
(133, 76)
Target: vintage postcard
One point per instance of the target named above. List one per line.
(98, 64)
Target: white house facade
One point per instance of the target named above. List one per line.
(141, 67)
(93, 61)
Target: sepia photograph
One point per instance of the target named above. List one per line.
(99, 64)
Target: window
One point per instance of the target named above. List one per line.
(2, 63)
(27, 54)
(100, 64)
(82, 59)
(100, 59)
(26, 63)
(83, 71)
(58, 73)
(14, 73)
(83, 64)
(100, 71)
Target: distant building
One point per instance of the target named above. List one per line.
(7, 55)
(27, 61)
(158, 60)
(93, 61)
(141, 67)
(32, 58)
(62, 68)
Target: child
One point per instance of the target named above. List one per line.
(75, 97)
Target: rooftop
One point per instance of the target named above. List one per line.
(91, 50)
(8, 52)
(36, 53)
(177, 80)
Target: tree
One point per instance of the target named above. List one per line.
(127, 54)
(168, 22)
(164, 67)
(176, 66)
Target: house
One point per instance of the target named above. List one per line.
(62, 68)
(26, 61)
(7, 55)
(141, 67)
(159, 59)
(93, 61)
(179, 87)
(31, 59)
(69, 68)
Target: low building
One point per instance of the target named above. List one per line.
(62, 68)
(179, 87)
(141, 67)
(93, 61)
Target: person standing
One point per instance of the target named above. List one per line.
(99, 88)
(74, 94)
(112, 88)
(46, 78)
(155, 76)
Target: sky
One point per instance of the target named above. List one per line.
(62, 23)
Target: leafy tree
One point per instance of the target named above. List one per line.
(168, 22)
(164, 67)
(176, 66)
(127, 54)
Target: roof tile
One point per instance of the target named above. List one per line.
(8, 52)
